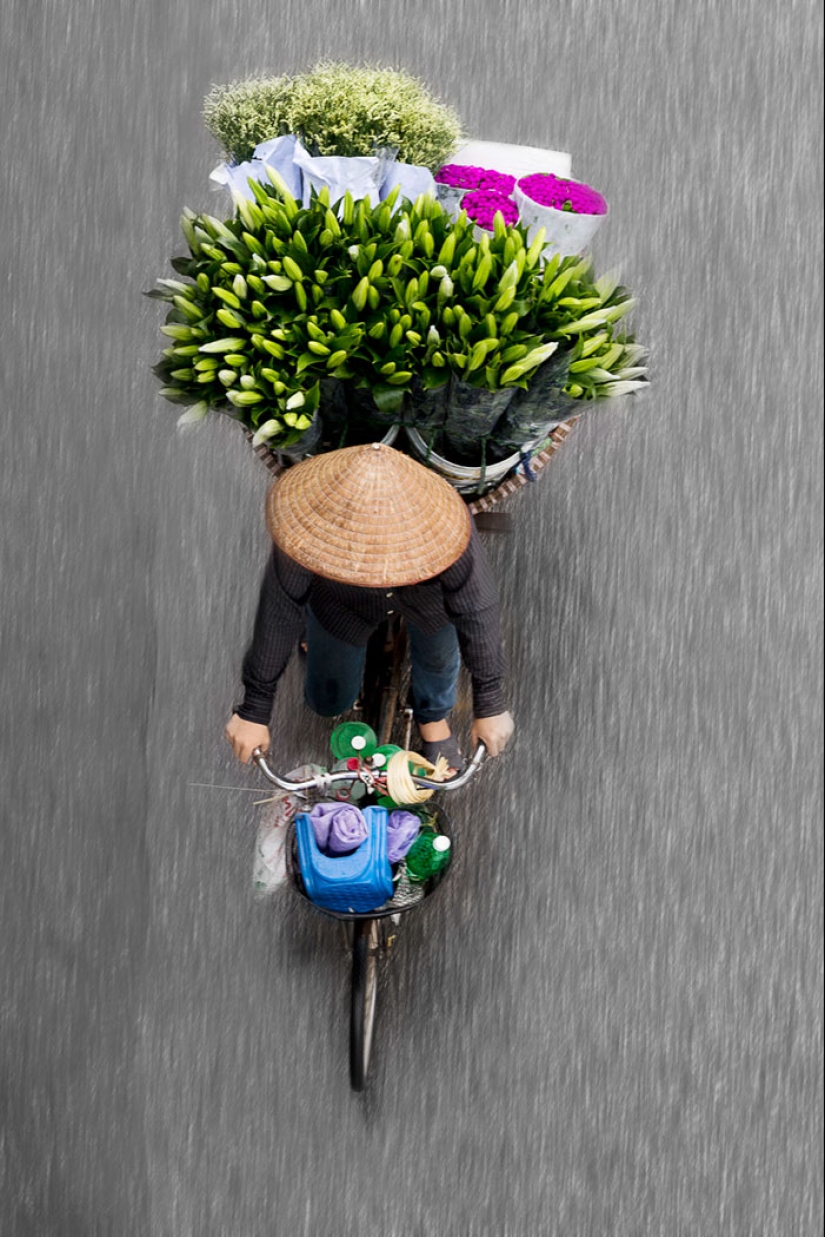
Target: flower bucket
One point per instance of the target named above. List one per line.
(567, 232)
(467, 479)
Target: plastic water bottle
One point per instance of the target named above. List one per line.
(428, 855)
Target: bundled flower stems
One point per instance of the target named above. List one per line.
(353, 291)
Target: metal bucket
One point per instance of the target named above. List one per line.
(467, 480)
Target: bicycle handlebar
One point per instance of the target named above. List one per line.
(348, 775)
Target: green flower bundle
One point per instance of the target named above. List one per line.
(481, 332)
(336, 109)
(241, 330)
(283, 298)
(243, 114)
(579, 313)
(432, 302)
(602, 365)
(376, 314)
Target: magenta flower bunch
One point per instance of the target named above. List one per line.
(464, 176)
(550, 190)
(481, 207)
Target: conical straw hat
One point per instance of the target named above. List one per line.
(369, 516)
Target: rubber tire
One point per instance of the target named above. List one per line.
(363, 999)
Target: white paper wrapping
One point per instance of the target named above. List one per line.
(518, 161)
(566, 232)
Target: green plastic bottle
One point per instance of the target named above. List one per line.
(429, 854)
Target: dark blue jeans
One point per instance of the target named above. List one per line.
(335, 670)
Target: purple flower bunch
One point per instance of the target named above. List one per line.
(481, 207)
(463, 176)
(550, 190)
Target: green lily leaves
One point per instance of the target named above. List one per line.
(283, 297)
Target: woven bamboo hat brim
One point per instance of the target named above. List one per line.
(369, 516)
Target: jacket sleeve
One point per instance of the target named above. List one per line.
(471, 602)
(279, 623)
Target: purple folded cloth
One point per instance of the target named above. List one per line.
(339, 827)
(402, 830)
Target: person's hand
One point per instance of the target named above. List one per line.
(493, 732)
(244, 737)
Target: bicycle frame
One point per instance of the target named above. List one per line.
(366, 932)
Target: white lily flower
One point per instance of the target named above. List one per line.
(618, 311)
(587, 323)
(614, 389)
(194, 414)
(265, 432)
(606, 285)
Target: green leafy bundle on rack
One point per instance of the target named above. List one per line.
(395, 303)
(336, 109)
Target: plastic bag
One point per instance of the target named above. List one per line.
(427, 406)
(278, 153)
(450, 198)
(269, 870)
(412, 179)
(471, 414)
(532, 413)
(363, 177)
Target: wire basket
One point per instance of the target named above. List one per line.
(408, 894)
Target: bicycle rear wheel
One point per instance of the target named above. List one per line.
(363, 998)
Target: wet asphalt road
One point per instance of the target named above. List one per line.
(611, 1020)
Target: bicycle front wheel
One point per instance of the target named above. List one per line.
(363, 999)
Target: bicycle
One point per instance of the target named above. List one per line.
(384, 708)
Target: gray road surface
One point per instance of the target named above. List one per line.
(610, 1022)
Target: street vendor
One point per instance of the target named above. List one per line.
(359, 534)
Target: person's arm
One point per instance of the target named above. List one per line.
(471, 602)
(278, 626)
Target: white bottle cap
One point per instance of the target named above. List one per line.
(358, 741)
(379, 760)
(441, 843)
